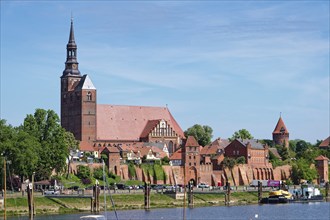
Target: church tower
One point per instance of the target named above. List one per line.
(281, 134)
(78, 98)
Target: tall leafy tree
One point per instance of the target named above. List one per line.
(241, 134)
(25, 151)
(302, 170)
(45, 127)
(283, 152)
(202, 133)
(7, 136)
(301, 147)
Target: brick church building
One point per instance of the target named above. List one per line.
(99, 126)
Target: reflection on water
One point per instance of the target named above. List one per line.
(291, 211)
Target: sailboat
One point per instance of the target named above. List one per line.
(100, 217)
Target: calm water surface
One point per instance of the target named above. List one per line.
(291, 211)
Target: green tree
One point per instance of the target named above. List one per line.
(26, 158)
(203, 134)
(229, 163)
(241, 134)
(98, 173)
(274, 160)
(7, 137)
(240, 160)
(283, 152)
(83, 172)
(302, 170)
(301, 147)
(267, 141)
(45, 127)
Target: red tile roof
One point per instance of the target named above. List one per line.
(85, 146)
(177, 155)
(191, 142)
(111, 149)
(280, 127)
(151, 124)
(325, 143)
(214, 147)
(321, 157)
(121, 122)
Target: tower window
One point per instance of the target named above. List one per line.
(89, 96)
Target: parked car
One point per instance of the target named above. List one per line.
(52, 192)
(203, 185)
(74, 187)
(121, 186)
(158, 187)
(225, 188)
(128, 187)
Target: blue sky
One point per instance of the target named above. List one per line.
(226, 64)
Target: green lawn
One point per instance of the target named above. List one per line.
(19, 205)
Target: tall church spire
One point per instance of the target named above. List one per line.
(71, 64)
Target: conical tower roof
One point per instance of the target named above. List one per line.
(72, 42)
(280, 127)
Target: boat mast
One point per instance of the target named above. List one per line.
(104, 192)
(4, 195)
(184, 191)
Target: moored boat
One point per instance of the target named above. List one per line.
(277, 196)
(306, 193)
(93, 217)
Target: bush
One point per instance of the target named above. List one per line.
(83, 172)
(131, 170)
(98, 173)
(166, 160)
(240, 160)
(86, 181)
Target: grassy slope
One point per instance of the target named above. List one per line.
(19, 206)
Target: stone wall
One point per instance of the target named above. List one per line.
(282, 172)
(205, 174)
(242, 174)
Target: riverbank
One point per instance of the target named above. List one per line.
(44, 205)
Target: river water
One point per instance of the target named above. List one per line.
(290, 211)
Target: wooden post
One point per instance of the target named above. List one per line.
(96, 198)
(146, 196)
(327, 186)
(32, 194)
(92, 202)
(5, 186)
(228, 192)
(30, 200)
(259, 191)
(191, 195)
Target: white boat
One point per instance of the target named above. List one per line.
(306, 193)
(93, 217)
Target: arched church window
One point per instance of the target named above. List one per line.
(89, 96)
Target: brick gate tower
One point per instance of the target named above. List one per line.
(78, 98)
